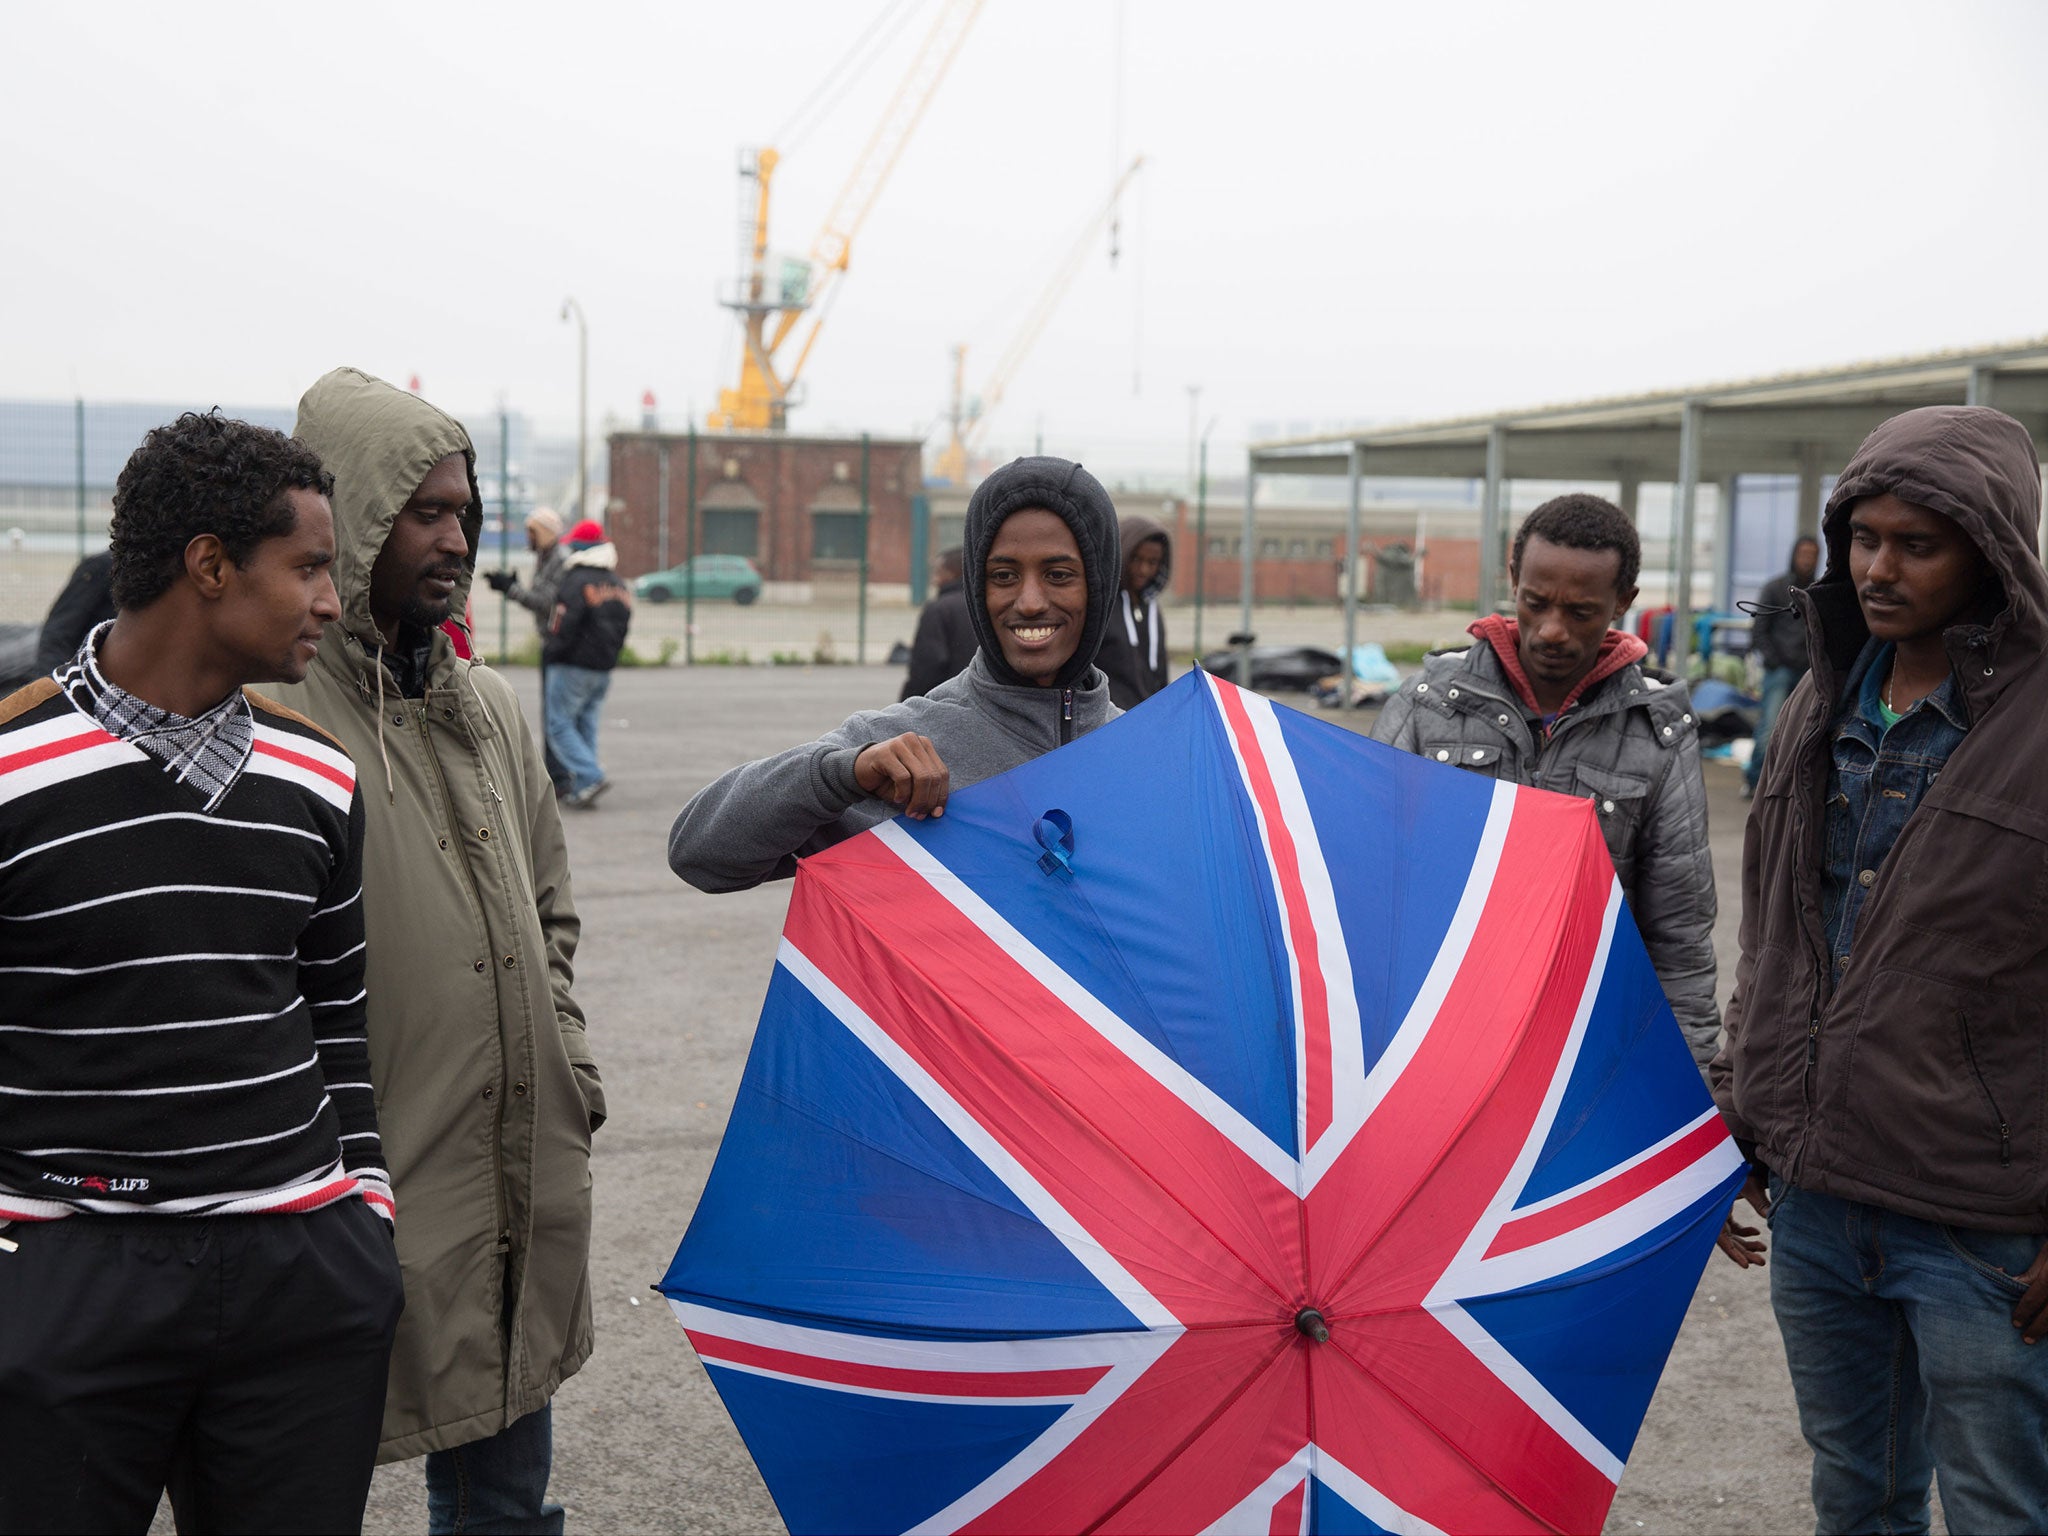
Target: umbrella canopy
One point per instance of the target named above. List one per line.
(1224, 1122)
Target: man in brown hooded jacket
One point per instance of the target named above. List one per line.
(1886, 1062)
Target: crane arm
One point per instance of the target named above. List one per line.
(834, 242)
(1048, 301)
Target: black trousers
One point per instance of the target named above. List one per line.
(237, 1361)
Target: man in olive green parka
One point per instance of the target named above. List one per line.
(485, 1086)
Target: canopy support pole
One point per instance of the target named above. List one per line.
(1809, 490)
(1686, 524)
(1492, 524)
(1351, 580)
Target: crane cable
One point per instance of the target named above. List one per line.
(846, 73)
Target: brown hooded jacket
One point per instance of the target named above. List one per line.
(1916, 1078)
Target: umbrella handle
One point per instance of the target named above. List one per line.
(1055, 834)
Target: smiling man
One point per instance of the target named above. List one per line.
(1556, 697)
(1040, 563)
(1884, 1066)
(197, 1283)
(485, 1083)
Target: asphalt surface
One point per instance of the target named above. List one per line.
(672, 981)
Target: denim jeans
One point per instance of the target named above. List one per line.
(575, 705)
(1906, 1365)
(1777, 688)
(496, 1485)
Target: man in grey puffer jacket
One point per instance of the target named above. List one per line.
(1558, 699)
(1041, 564)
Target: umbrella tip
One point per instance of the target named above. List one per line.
(1312, 1326)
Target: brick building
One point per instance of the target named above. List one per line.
(789, 503)
(1300, 556)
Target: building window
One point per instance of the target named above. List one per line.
(1219, 547)
(1269, 549)
(835, 537)
(1297, 549)
(729, 531)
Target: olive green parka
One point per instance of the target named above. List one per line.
(486, 1091)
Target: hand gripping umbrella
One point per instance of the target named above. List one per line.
(1222, 1123)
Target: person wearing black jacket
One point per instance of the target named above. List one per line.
(593, 609)
(1133, 655)
(1780, 639)
(944, 643)
(86, 603)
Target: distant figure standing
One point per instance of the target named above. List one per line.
(86, 603)
(1780, 639)
(944, 643)
(1133, 655)
(544, 538)
(593, 609)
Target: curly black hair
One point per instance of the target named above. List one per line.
(1581, 521)
(203, 474)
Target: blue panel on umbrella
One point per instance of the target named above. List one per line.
(1330, 1515)
(1168, 918)
(840, 1462)
(840, 1194)
(1396, 890)
(1633, 1084)
(1631, 1300)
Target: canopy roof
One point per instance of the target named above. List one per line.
(1781, 423)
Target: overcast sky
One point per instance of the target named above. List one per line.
(1349, 211)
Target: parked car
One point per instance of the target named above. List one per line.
(1277, 668)
(714, 576)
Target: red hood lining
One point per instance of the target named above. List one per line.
(1618, 650)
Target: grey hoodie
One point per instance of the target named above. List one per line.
(755, 822)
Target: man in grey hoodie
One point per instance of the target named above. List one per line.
(1041, 565)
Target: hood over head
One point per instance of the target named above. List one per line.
(1975, 466)
(1077, 498)
(379, 442)
(1134, 528)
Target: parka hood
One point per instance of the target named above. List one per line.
(1133, 529)
(379, 441)
(1077, 498)
(1977, 467)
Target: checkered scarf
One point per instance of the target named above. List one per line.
(208, 752)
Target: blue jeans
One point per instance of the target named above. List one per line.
(1777, 688)
(575, 705)
(1905, 1364)
(496, 1485)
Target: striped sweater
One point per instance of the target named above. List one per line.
(182, 1017)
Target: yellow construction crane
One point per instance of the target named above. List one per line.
(773, 293)
(968, 418)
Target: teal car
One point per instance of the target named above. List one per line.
(714, 576)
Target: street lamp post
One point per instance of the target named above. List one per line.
(571, 308)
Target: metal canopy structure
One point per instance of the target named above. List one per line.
(1805, 424)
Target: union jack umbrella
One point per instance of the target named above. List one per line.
(1224, 1123)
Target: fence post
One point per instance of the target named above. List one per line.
(78, 432)
(690, 554)
(504, 530)
(860, 644)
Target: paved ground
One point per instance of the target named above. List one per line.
(673, 981)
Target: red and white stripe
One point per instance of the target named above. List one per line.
(57, 752)
(305, 762)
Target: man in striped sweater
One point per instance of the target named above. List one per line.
(198, 1287)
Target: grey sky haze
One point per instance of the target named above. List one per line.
(1349, 211)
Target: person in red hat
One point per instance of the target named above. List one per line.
(593, 609)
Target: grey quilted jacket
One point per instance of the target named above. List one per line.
(1629, 745)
